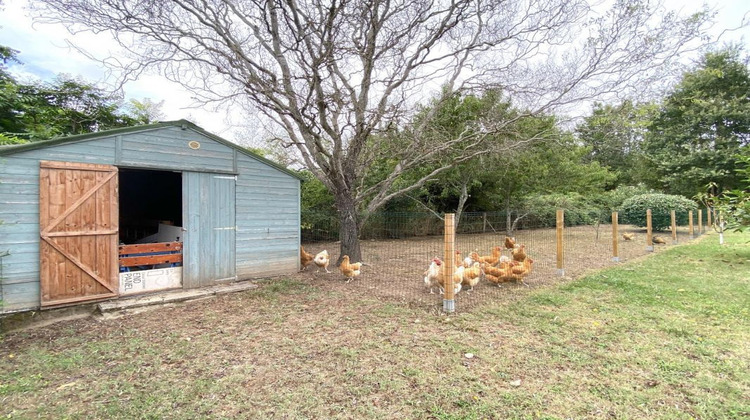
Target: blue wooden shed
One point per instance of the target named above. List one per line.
(162, 206)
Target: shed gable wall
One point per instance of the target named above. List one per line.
(168, 148)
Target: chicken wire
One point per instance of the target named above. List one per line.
(397, 249)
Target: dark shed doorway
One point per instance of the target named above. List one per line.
(149, 199)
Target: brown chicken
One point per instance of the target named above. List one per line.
(510, 243)
(305, 258)
(474, 256)
(628, 236)
(492, 259)
(519, 254)
(659, 240)
(471, 276)
(457, 279)
(523, 269)
(349, 270)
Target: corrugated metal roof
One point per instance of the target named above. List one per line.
(12, 149)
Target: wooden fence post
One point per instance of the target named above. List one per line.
(708, 218)
(449, 303)
(484, 222)
(615, 256)
(700, 222)
(560, 247)
(674, 226)
(649, 239)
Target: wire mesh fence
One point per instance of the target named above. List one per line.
(398, 250)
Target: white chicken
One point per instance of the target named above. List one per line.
(432, 275)
(322, 260)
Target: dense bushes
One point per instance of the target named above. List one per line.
(633, 211)
(579, 210)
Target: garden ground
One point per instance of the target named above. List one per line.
(663, 336)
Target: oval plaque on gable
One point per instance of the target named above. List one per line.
(194, 145)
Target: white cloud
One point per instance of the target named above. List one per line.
(45, 52)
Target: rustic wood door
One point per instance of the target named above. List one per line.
(78, 224)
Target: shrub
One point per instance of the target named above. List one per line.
(633, 211)
(542, 210)
(616, 197)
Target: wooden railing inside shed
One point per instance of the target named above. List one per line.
(150, 254)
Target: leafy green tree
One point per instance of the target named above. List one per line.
(734, 204)
(614, 134)
(145, 111)
(531, 156)
(701, 126)
(64, 106)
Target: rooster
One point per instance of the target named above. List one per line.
(305, 258)
(510, 243)
(322, 260)
(349, 270)
(628, 236)
(432, 275)
(519, 254)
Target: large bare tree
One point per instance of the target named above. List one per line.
(336, 74)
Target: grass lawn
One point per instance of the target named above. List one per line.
(665, 336)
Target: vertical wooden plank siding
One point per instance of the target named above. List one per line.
(268, 220)
(73, 268)
(209, 220)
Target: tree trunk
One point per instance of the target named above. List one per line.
(462, 202)
(349, 228)
(508, 218)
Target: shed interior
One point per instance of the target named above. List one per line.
(148, 199)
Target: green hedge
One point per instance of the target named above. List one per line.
(633, 211)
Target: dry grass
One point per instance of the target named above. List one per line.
(650, 339)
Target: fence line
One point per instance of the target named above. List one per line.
(398, 249)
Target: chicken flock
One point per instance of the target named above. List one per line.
(495, 268)
(322, 260)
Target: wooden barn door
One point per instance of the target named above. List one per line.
(78, 222)
(209, 218)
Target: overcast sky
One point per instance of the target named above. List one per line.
(45, 53)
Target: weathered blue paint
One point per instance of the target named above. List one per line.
(209, 242)
(262, 205)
